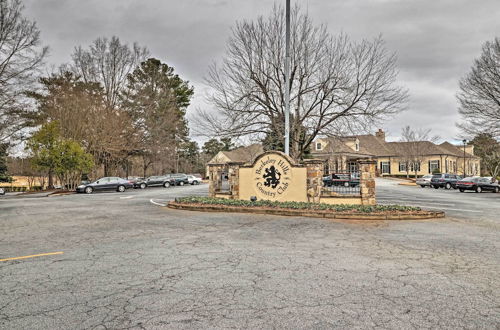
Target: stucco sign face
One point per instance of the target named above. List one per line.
(272, 177)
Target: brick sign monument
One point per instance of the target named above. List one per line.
(275, 176)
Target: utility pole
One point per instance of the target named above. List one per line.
(287, 81)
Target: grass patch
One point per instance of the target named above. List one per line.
(297, 205)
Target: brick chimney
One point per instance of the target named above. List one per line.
(380, 134)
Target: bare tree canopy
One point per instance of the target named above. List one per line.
(479, 94)
(415, 144)
(108, 62)
(337, 85)
(20, 59)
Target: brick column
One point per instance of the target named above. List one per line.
(315, 169)
(213, 179)
(234, 179)
(367, 181)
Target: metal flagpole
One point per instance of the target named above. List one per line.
(287, 80)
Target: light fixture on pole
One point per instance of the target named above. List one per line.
(287, 80)
(464, 141)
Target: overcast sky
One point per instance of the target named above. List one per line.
(436, 40)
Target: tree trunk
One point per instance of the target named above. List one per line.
(51, 180)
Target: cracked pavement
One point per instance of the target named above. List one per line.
(130, 264)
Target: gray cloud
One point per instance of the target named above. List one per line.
(435, 40)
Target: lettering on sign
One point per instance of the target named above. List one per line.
(272, 176)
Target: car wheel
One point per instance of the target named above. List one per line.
(435, 187)
(166, 184)
(461, 190)
(448, 186)
(422, 186)
(120, 188)
(142, 186)
(89, 190)
(346, 184)
(196, 182)
(496, 190)
(181, 183)
(478, 189)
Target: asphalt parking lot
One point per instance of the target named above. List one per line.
(126, 262)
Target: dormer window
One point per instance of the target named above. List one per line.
(319, 146)
(357, 145)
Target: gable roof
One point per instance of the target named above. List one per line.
(455, 151)
(243, 154)
(371, 145)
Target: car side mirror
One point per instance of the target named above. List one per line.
(97, 182)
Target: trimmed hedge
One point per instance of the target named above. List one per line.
(295, 205)
(21, 188)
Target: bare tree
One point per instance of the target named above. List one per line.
(108, 62)
(413, 147)
(479, 94)
(20, 59)
(337, 86)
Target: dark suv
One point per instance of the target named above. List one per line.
(341, 179)
(445, 180)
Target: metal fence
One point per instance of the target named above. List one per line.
(342, 184)
(342, 190)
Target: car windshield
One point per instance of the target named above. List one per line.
(468, 179)
(427, 176)
(436, 176)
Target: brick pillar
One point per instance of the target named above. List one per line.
(234, 179)
(367, 181)
(213, 179)
(315, 169)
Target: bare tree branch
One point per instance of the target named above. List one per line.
(336, 85)
(21, 57)
(479, 94)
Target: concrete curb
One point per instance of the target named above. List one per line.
(413, 184)
(424, 215)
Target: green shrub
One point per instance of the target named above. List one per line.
(296, 205)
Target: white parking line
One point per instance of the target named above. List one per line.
(127, 197)
(155, 203)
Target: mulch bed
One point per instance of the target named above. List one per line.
(346, 215)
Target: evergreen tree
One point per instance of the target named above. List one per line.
(157, 99)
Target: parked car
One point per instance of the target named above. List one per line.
(193, 180)
(478, 185)
(160, 180)
(106, 183)
(2, 191)
(424, 181)
(138, 182)
(341, 179)
(179, 178)
(445, 180)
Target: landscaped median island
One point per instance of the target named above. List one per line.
(316, 210)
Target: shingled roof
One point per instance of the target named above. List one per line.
(371, 145)
(455, 151)
(243, 154)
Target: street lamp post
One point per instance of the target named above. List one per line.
(464, 141)
(287, 80)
